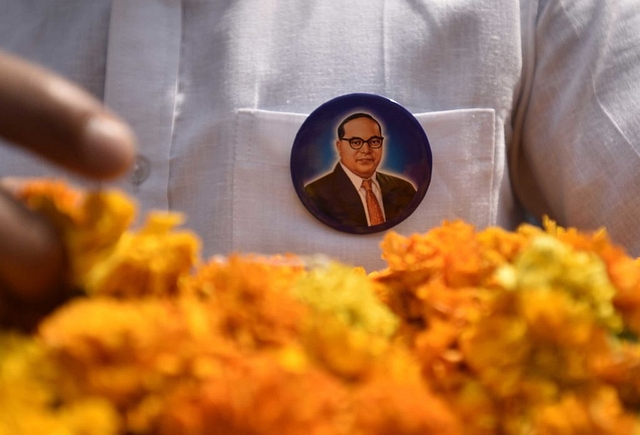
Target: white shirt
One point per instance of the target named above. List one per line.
(362, 192)
(537, 95)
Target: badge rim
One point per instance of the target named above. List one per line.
(357, 98)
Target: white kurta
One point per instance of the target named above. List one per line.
(216, 91)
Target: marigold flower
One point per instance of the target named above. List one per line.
(517, 321)
(31, 403)
(259, 396)
(252, 297)
(105, 256)
(348, 327)
(147, 262)
(391, 407)
(476, 332)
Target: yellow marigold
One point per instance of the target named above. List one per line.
(549, 265)
(497, 349)
(150, 261)
(30, 403)
(624, 272)
(105, 256)
(347, 327)
(348, 296)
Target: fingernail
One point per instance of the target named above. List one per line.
(109, 146)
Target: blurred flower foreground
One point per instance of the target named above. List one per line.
(466, 332)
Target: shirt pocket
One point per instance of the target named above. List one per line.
(268, 216)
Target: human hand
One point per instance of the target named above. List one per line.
(53, 118)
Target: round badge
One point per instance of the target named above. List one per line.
(361, 163)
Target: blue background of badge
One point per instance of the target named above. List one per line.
(406, 148)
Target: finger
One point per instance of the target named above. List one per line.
(12, 185)
(50, 116)
(32, 255)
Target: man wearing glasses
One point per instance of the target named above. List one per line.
(355, 194)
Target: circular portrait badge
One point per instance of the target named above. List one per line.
(361, 163)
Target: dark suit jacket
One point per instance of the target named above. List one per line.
(335, 196)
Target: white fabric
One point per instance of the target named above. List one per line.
(216, 91)
(143, 88)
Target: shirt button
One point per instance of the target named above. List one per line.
(141, 169)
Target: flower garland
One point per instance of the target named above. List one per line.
(466, 331)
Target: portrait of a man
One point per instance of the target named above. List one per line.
(355, 193)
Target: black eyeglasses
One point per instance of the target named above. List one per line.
(356, 143)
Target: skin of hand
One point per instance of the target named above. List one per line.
(48, 115)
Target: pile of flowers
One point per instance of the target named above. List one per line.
(465, 332)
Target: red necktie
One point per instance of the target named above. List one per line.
(375, 213)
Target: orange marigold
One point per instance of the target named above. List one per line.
(252, 295)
